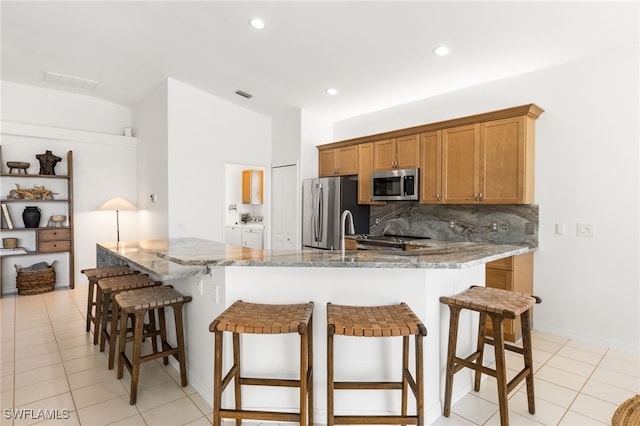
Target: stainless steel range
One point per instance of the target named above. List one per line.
(386, 241)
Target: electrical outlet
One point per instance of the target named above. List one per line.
(377, 220)
(494, 226)
(586, 229)
(452, 225)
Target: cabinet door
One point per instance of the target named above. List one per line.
(327, 162)
(431, 168)
(365, 168)
(502, 162)
(408, 152)
(384, 154)
(499, 278)
(347, 160)
(233, 235)
(252, 238)
(460, 155)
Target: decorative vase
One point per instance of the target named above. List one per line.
(31, 217)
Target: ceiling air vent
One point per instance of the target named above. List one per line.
(244, 94)
(70, 81)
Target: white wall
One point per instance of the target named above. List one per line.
(315, 130)
(104, 166)
(150, 128)
(586, 171)
(204, 133)
(285, 135)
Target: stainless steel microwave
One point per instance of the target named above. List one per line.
(399, 184)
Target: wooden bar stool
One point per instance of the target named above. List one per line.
(138, 303)
(94, 274)
(498, 305)
(107, 289)
(377, 321)
(242, 317)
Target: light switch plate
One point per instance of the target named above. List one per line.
(586, 229)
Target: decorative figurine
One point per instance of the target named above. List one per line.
(19, 165)
(38, 192)
(47, 162)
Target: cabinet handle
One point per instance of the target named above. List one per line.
(438, 197)
(481, 197)
(475, 196)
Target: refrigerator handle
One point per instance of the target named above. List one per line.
(320, 215)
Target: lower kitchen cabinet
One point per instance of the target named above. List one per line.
(252, 238)
(513, 273)
(233, 235)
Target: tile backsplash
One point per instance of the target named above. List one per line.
(497, 224)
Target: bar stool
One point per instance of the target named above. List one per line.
(499, 305)
(242, 317)
(94, 274)
(107, 289)
(377, 321)
(138, 303)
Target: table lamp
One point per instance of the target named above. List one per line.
(117, 204)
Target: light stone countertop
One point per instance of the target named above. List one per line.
(194, 254)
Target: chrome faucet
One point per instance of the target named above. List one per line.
(351, 229)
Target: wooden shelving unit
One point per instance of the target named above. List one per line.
(48, 239)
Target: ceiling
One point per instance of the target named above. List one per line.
(376, 54)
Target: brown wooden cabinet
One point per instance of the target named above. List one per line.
(338, 161)
(431, 167)
(365, 169)
(460, 164)
(513, 273)
(48, 239)
(397, 153)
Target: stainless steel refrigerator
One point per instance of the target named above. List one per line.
(323, 201)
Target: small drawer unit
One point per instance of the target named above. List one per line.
(53, 240)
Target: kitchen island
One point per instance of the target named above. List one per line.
(216, 274)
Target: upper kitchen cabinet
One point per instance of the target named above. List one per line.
(338, 161)
(252, 186)
(365, 169)
(397, 153)
(431, 167)
(490, 162)
(460, 164)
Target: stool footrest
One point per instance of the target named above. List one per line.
(518, 378)
(254, 381)
(375, 420)
(367, 385)
(259, 415)
(466, 362)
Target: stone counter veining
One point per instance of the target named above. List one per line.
(191, 253)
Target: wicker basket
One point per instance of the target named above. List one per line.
(35, 281)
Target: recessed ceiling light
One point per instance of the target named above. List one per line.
(441, 50)
(331, 91)
(257, 23)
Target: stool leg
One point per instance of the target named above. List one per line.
(237, 391)
(106, 302)
(97, 326)
(177, 312)
(482, 330)
(330, 419)
(122, 342)
(163, 336)
(420, 379)
(135, 357)
(310, 371)
(90, 303)
(451, 354)
(405, 368)
(217, 378)
(115, 319)
(525, 321)
(304, 354)
(501, 369)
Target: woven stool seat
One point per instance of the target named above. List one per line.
(498, 305)
(149, 298)
(374, 321)
(137, 303)
(506, 303)
(107, 288)
(257, 318)
(377, 321)
(94, 274)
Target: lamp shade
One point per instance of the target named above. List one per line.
(117, 204)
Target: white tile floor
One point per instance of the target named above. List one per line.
(48, 362)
